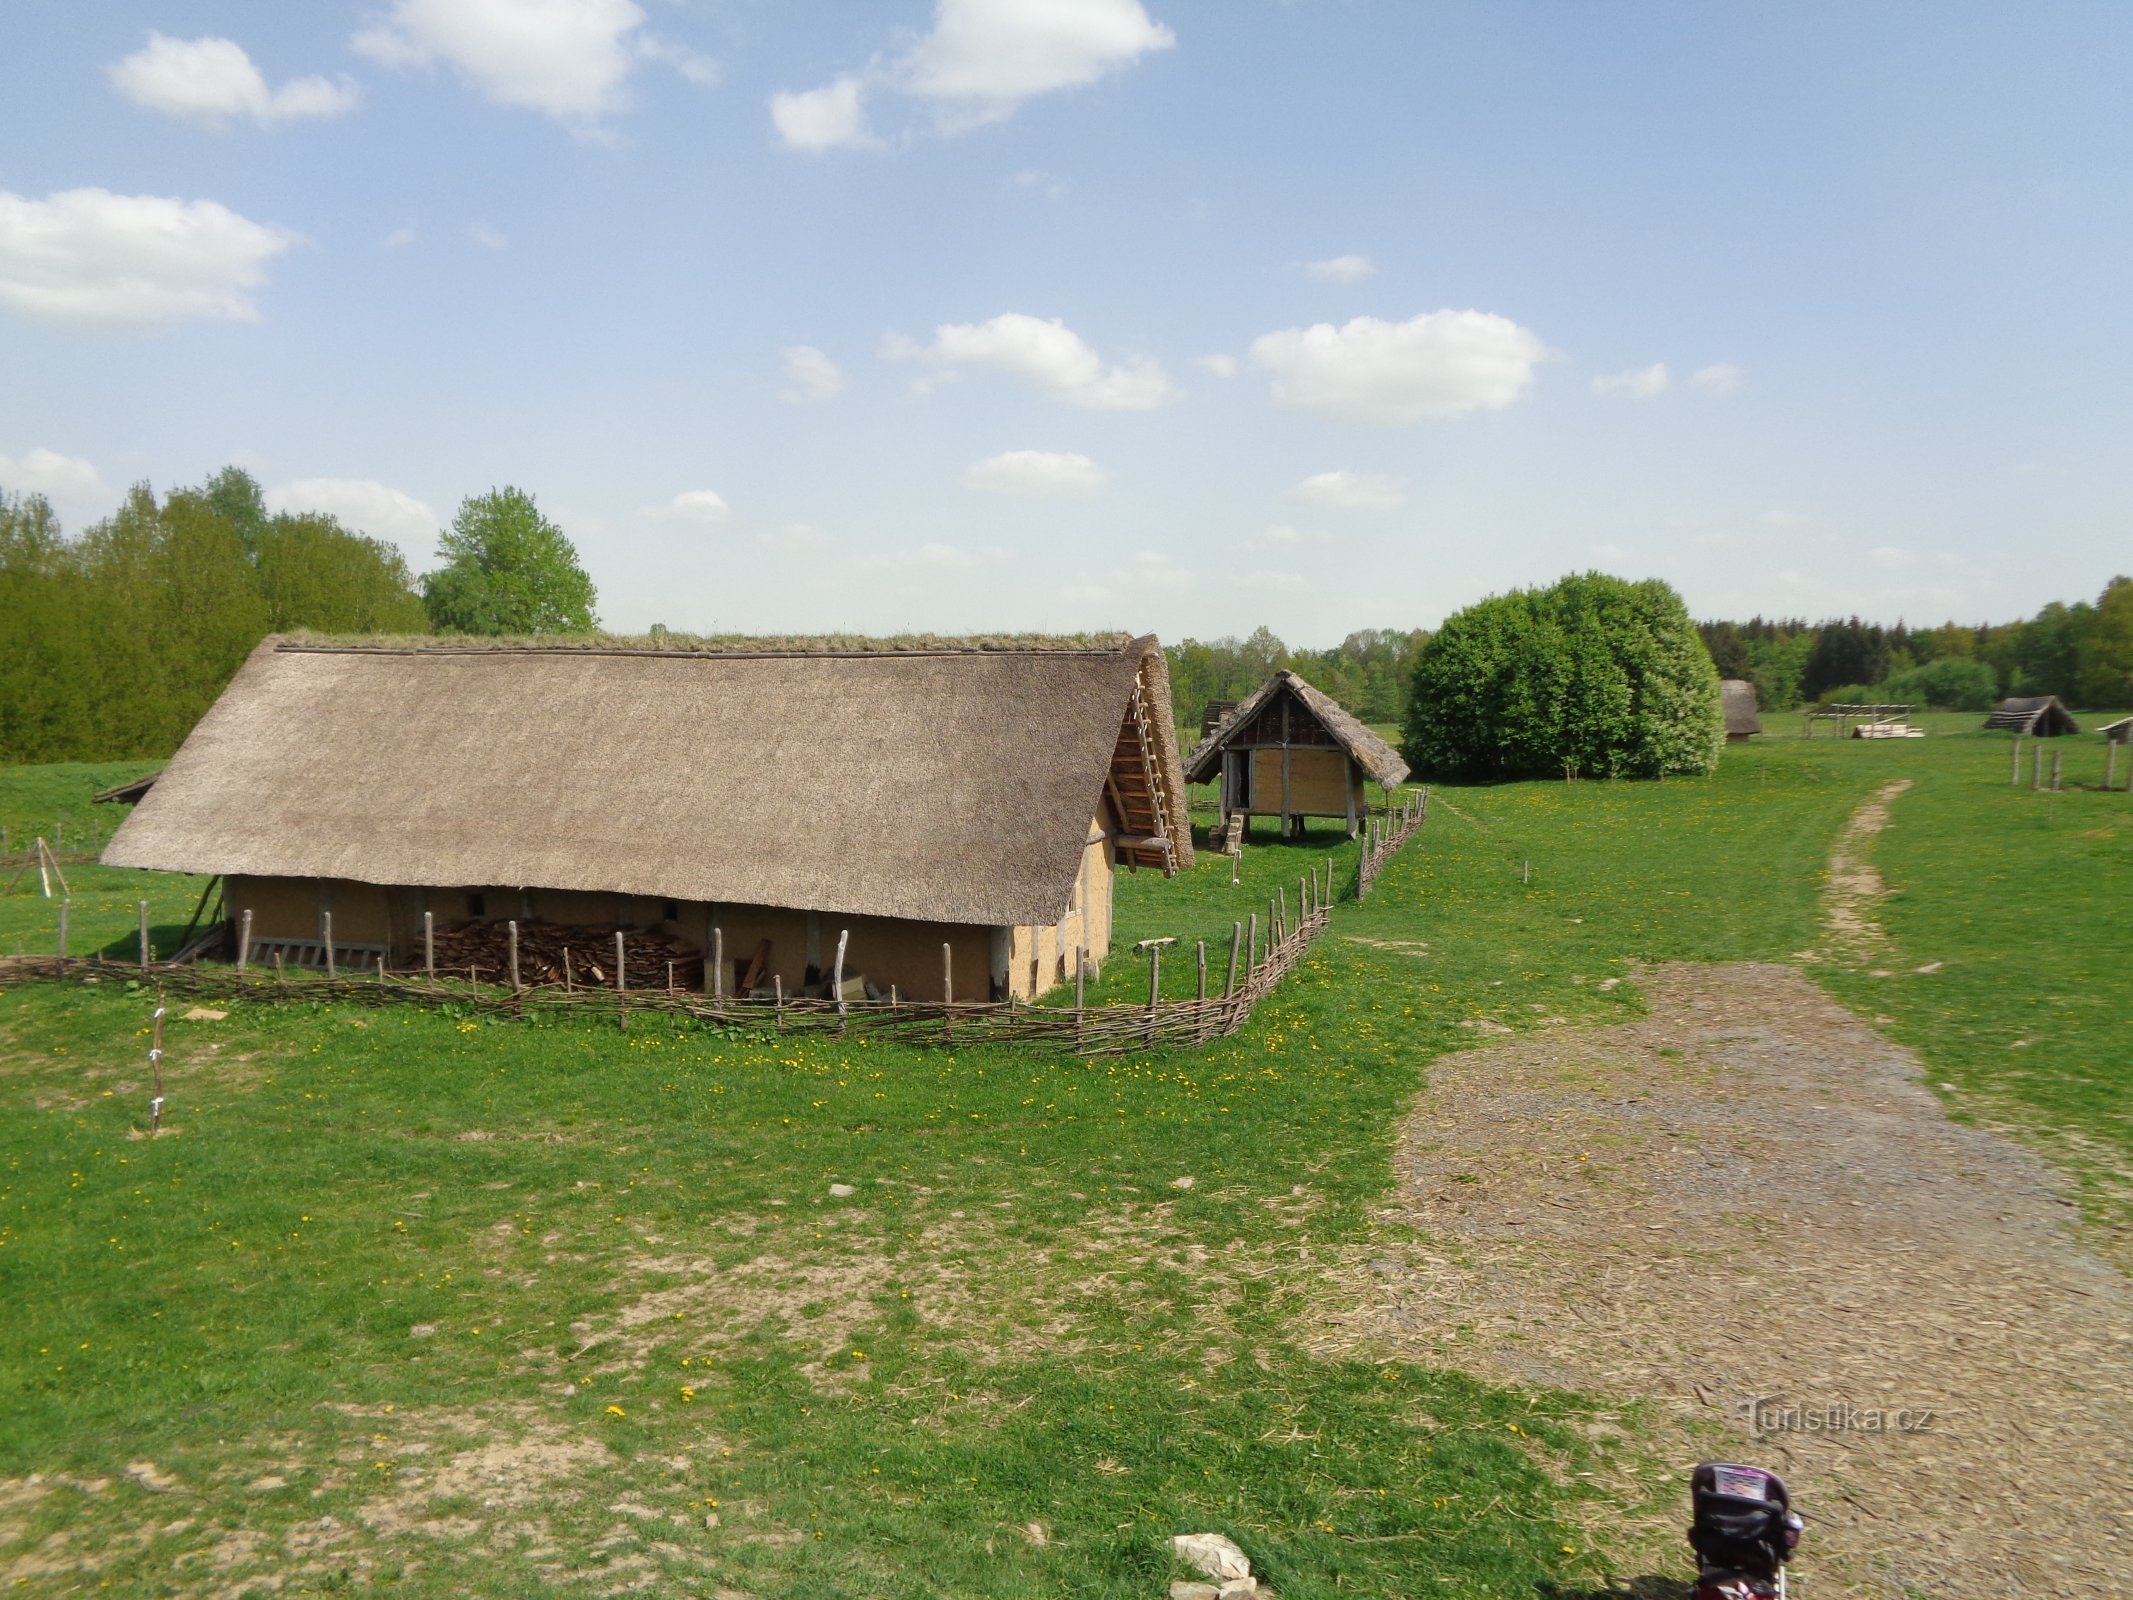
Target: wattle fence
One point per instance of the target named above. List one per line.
(1383, 837)
(1257, 958)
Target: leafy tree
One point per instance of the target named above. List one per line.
(235, 495)
(2103, 656)
(1946, 683)
(508, 569)
(313, 573)
(1594, 676)
(1850, 652)
(1729, 649)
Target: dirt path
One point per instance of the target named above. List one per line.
(1749, 1196)
(1851, 933)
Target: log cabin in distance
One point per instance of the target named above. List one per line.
(1288, 751)
(763, 803)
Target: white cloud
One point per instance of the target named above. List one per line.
(1147, 570)
(88, 255)
(570, 59)
(985, 57)
(795, 538)
(933, 558)
(398, 239)
(1047, 353)
(49, 473)
(1638, 383)
(210, 80)
(700, 508)
(693, 65)
(487, 237)
(1219, 366)
(1889, 558)
(1271, 582)
(363, 504)
(1352, 491)
(1438, 365)
(1040, 183)
(810, 376)
(1721, 377)
(981, 60)
(1035, 472)
(833, 117)
(1341, 269)
(1283, 536)
(1609, 552)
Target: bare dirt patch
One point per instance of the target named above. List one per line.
(1851, 932)
(1750, 1194)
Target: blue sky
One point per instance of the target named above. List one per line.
(1184, 317)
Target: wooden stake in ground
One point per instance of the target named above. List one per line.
(142, 907)
(837, 974)
(325, 928)
(244, 939)
(1081, 975)
(155, 1063)
(429, 946)
(718, 962)
(63, 933)
(1236, 933)
(2014, 776)
(511, 933)
(947, 990)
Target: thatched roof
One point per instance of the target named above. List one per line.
(129, 792)
(943, 784)
(2039, 714)
(2119, 732)
(1742, 712)
(1372, 754)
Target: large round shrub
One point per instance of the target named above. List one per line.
(1594, 677)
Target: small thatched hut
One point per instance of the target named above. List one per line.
(1288, 751)
(2040, 716)
(1743, 715)
(977, 797)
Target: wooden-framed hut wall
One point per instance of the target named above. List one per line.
(1290, 752)
(975, 798)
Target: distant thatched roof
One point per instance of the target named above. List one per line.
(941, 784)
(1742, 712)
(2039, 714)
(2119, 732)
(129, 792)
(1372, 754)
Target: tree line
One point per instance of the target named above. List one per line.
(113, 643)
(1368, 672)
(2082, 652)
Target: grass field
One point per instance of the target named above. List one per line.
(1018, 1355)
(2021, 905)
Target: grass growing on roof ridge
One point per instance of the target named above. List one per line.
(722, 643)
(1086, 1351)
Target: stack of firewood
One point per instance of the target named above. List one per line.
(551, 953)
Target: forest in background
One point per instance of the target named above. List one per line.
(113, 642)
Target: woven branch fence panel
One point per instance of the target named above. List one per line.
(1083, 1029)
(1384, 837)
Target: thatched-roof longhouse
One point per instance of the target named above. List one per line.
(2041, 716)
(1288, 751)
(975, 797)
(1743, 714)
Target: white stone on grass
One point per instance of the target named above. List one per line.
(1213, 1554)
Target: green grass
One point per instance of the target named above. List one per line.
(2022, 903)
(1015, 1319)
